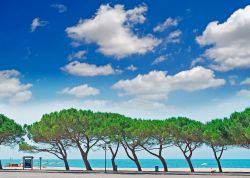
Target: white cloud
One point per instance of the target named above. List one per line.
(11, 89)
(36, 22)
(244, 93)
(137, 15)
(77, 55)
(80, 91)
(197, 60)
(85, 69)
(159, 59)
(111, 29)
(156, 85)
(174, 37)
(132, 68)
(169, 22)
(230, 41)
(246, 81)
(60, 7)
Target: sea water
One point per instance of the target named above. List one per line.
(145, 163)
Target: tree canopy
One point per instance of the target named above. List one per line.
(48, 136)
(187, 135)
(85, 130)
(11, 133)
(217, 136)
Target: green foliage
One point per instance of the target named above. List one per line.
(25, 147)
(47, 129)
(111, 126)
(183, 129)
(10, 132)
(85, 128)
(217, 133)
(239, 126)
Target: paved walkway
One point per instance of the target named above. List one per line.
(121, 174)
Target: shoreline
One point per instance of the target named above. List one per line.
(184, 170)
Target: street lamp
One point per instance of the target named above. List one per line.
(40, 161)
(105, 149)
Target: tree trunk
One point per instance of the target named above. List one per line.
(136, 161)
(159, 156)
(1, 167)
(164, 163)
(219, 165)
(138, 165)
(66, 164)
(114, 153)
(133, 157)
(190, 163)
(86, 162)
(113, 163)
(217, 158)
(84, 158)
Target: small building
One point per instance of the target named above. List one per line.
(28, 162)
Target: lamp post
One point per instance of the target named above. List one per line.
(40, 160)
(105, 149)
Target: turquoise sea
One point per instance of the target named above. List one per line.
(145, 163)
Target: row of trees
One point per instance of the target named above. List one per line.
(57, 132)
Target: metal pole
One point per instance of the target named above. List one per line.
(40, 158)
(105, 158)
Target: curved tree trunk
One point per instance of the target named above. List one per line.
(187, 151)
(114, 153)
(217, 158)
(219, 165)
(190, 163)
(63, 153)
(159, 156)
(113, 163)
(164, 163)
(134, 158)
(136, 161)
(138, 165)
(84, 157)
(86, 162)
(66, 164)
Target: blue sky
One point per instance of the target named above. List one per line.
(149, 59)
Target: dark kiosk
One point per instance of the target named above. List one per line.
(28, 162)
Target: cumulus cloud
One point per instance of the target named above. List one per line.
(137, 15)
(230, 41)
(85, 69)
(112, 30)
(174, 37)
(244, 93)
(60, 7)
(11, 88)
(159, 60)
(36, 22)
(246, 81)
(80, 91)
(156, 85)
(132, 68)
(77, 55)
(169, 22)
